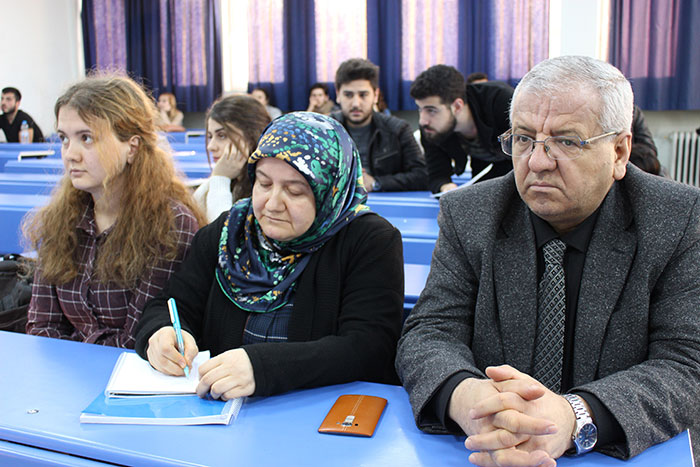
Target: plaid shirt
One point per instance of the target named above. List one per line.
(88, 310)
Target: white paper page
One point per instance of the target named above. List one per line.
(472, 181)
(133, 375)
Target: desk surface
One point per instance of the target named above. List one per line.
(60, 378)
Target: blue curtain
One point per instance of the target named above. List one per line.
(383, 46)
(655, 44)
(299, 58)
(474, 45)
(143, 42)
(87, 15)
(503, 38)
(170, 45)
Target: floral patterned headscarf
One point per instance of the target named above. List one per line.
(258, 273)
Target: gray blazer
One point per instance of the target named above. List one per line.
(637, 326)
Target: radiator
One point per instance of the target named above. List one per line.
(685, 157)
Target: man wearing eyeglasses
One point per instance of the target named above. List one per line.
(563, 315)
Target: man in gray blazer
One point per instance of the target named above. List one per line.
(613, 363)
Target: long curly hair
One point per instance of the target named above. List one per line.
(145, 227)
(244, 119)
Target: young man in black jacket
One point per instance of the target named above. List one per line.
(459, 121)
(391, 157)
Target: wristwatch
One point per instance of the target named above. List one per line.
(585, 433)
(376, 186)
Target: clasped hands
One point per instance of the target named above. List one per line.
(511, 419)
(226, 376)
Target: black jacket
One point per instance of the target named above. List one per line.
(643, 153)
(490, 106)
(395, 158)
(347, 316)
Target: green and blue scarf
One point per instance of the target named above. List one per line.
(259, 274)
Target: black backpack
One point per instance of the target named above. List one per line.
(15, 293)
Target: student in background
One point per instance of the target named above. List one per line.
(460, 122)
(644, 152)
(381, 106)
(261, 95)
(319, 100)
(477, 77)
(298, 286)
(12, 118)
(170, 119)
(117, 225)
(391, 158)
(233, 124)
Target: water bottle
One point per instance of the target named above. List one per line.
(24, 133)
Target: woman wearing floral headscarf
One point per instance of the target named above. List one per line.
(298, 286)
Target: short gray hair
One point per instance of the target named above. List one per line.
(572, 72)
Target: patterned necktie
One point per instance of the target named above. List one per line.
(551, 311)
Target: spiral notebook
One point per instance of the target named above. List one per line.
(138, 394)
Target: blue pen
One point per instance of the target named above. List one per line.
(175, 319)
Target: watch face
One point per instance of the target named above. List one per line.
(587, 437)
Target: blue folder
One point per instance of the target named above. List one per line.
(160, 410)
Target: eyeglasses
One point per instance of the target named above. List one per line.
(556, 147)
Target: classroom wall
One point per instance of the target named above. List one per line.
(40, 42)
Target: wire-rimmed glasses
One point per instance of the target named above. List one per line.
(556, 147)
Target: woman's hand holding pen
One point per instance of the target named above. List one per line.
(163, 354)
(227, 376)
(231, 164)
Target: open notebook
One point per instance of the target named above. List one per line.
(472, 181)
(138, 394)
(134, 376)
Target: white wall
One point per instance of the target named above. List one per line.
(47, 61)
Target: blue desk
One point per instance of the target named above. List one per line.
(28, 184)
(12, 210)
(418, 196)
(60, 378)
(415, 276)
(43, 183)
(191, 169)
(17, 147)
(416, 227)
(403, 208)
(196, 145)
(418, 250)
(36, 166)
(189, 136)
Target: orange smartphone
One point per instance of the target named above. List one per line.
(354, 415)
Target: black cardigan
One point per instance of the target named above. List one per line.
(346, 320)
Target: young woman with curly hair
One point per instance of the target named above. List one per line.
(117, 225)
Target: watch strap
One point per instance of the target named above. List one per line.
(583, 418)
